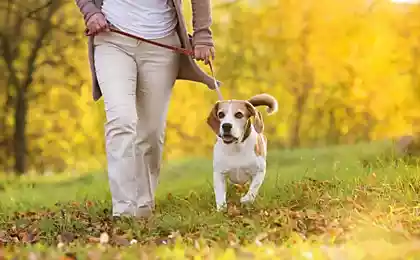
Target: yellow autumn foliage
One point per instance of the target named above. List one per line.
(342, 71)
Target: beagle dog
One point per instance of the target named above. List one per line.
(241, 147)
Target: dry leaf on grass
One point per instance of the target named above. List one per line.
(69, 256)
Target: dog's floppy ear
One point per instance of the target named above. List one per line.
(212, 119)
(258, 120)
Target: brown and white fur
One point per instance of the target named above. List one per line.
(241, 147)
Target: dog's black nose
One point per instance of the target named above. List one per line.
(227, 127)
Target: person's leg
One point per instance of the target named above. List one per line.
(157, 71)
(117, 71)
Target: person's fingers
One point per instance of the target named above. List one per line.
(97, 27)
(206, 57)
(198, 54)
(100, 23)
(202, 55)
(102, 27)
(97, 23)
(92, 29)
(213, 53)
(90, 26)
(91, 23)
(106, 26)
(103, 24)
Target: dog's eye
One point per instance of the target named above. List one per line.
(221, 114)
(239, 115)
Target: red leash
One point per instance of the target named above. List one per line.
(173, 48)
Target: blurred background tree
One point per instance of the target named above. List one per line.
(343, 72)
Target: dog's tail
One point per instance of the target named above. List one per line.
(265, 100)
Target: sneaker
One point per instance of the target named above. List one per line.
(144, 212)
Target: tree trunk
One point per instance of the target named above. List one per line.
(19, 134)
(308, 82)
(333, 134)
(297, 124)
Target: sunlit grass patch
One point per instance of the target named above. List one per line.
(313, 203)
(380, 245)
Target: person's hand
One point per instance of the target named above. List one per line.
(97, 23)
(204, 53)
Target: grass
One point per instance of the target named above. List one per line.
(341, 202)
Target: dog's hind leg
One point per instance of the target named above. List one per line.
(256, 183)
(219, 184)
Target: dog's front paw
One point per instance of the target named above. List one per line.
(248, 198)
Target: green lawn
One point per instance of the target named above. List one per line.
(344, 195)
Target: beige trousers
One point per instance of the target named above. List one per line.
(136, 80)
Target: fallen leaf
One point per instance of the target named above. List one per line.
(120, 241)
(93, 239)
(261, 236)
(311, 214)
(27, 237)
(233, 239)
(233, 211)
(69, 256)
(104, 238)
(174, 234)
(3, 238)
(66, 237)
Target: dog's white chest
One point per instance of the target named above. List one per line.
(238, 162)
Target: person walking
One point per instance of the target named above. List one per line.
(136, 79)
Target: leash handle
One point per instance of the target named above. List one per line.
(173, 48)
